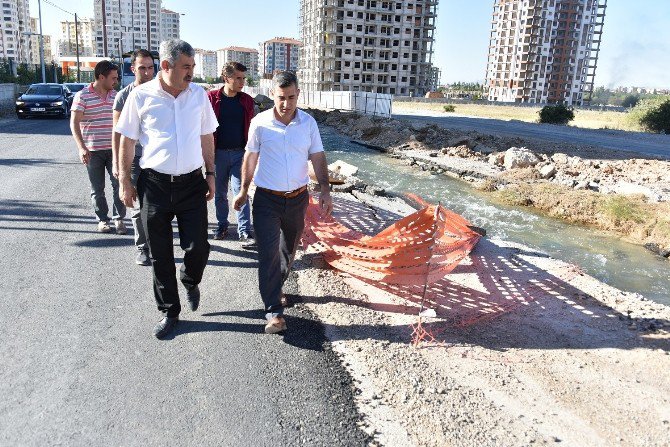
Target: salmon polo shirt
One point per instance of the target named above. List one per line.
(96, 124)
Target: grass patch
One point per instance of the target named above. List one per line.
(449, 108)
(587, 119)
(624, 209)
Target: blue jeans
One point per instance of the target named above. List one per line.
(228, 165)
(98, 163)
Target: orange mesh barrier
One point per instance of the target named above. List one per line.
(416, 250)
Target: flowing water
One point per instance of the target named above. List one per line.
(625, 266)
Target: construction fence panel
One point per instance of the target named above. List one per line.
(375, 104)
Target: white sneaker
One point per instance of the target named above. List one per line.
(120, 227)
(103, 227)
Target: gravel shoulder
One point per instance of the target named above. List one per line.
(528, 350)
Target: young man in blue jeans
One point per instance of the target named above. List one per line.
(234, 110)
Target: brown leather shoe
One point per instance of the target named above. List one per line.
(275, 325)
(284, 301)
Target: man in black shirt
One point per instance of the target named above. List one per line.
(234, 110)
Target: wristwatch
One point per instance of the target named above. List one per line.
(210, 173)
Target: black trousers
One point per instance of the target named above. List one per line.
(278, 225)
(160, 202)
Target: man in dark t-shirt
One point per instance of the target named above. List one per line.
(234, 110)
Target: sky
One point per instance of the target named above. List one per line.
(635, 50)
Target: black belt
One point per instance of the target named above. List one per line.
(173, 178)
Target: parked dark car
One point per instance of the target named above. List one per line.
(74, 87)
(44, 100)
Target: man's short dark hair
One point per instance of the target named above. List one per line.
(229, 69)
(283, 79)
(104, 68)
(140, 53)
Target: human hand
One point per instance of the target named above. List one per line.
(239, 200)
(325, 203)
(211, 188)
(84, 155)
(127, 193)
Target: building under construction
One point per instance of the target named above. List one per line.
(368, 45)
(544, 51)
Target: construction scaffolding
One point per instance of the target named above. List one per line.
(544, 51)
(368, 46)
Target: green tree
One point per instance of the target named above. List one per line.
(251, 82)
(630, 101)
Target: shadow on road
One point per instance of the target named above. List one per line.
(303, 333)
(32, 162)
(37, 126)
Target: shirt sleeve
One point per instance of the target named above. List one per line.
(77, 103)
(208, 123)
(254, 140)
(315, 137)
(129, 121)
(119, 101)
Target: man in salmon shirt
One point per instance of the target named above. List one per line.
(91, 124)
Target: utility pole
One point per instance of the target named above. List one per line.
(39, 8)
(76, 41)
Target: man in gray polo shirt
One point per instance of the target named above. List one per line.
(142, 64)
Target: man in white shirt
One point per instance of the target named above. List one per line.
(174, 122)
(281, 141)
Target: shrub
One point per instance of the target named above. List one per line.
(630, 101)
(450, 108)
(625, 208)
(556, 114)
(653, 114)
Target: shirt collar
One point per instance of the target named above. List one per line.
(296, 119)
(159, 87)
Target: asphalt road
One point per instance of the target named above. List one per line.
(643, 143)
(79, 364)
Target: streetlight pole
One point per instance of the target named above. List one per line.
(39, 8)
(76, 41)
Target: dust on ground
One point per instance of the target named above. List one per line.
(606, 189)
(528, 350)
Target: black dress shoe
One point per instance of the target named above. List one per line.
(193, 298)
(165, 326)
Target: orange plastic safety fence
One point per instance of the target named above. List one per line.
(418, 249)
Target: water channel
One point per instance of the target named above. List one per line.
(625, 266)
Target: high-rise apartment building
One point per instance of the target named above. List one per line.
(544, 51)
(368, 45)
(14, 22)
(280, 53)
(35, 44)
(124, 26)
(67, 44)
(169, 25)
(245, 56)
(205, 64)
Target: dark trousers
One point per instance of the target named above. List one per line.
(99, 162)
(160, 202)
(278, 224)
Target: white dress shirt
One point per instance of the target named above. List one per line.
(283, 149)
(168, 128)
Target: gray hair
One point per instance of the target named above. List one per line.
(171, 49)
(283, 79)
